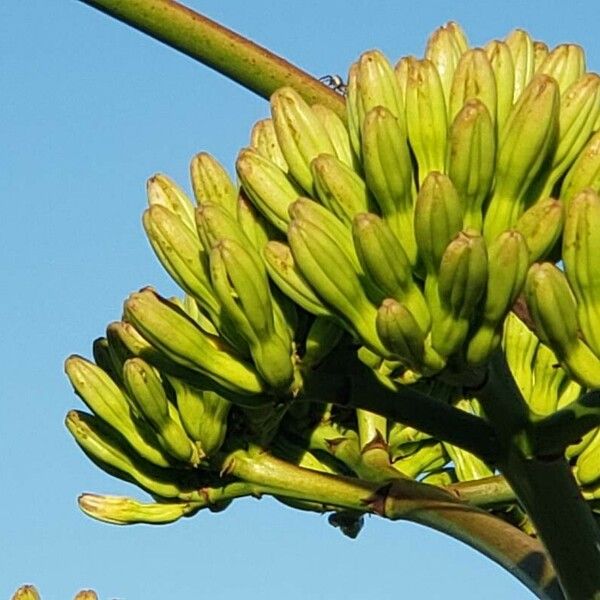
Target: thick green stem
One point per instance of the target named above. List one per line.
(404, 499)
(227, 52)
(214, 495)
(488, 492)
(425, 413)
(546, 488)
(343, 380)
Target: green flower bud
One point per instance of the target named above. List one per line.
(338, 135)
(471, 159)
(541, 226)
(182, 255)
(146, 390)
(182, 341)
(339, 188)
(461, 283)
(119, 510)
(529, 137)
(585, 171)
(211, 183)
(554, 313)
(438, 218)
(520, 44)
(332, 273)
(386, 265)
(267, 186)
(426, 117)
(566, 63)
(389, 175)
(502, 64)
(473, 79)
(109, 403)
(263, 139)
(444, 49)
(108, 450)
(243, 291)
(163, 191)
(581, 248)
(300, 134)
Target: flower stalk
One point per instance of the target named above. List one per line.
(241, 60)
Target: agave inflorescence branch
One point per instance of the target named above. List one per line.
(348, 340)
(210, 43)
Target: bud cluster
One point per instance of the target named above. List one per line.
(403, 236)
(29, 592)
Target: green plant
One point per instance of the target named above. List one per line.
(373, 320)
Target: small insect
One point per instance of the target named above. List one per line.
(335, 82)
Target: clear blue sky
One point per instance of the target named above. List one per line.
(88, 110)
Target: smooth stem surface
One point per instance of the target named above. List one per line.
(546, 488)
(229, 53)
(344, 380)
(489, 492)
(404, 499)
(562, 519)
(427, 414)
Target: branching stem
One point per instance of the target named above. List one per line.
(229, 53)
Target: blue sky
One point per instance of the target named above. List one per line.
(89, 109)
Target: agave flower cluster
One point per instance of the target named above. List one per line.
(29, 592)
(395, 242)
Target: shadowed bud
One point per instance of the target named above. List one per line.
(541, 227)
(146, 390)
(554, 312)
(581, 250)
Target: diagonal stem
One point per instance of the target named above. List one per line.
(403, 499)
(344, 380)
(229, 53)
